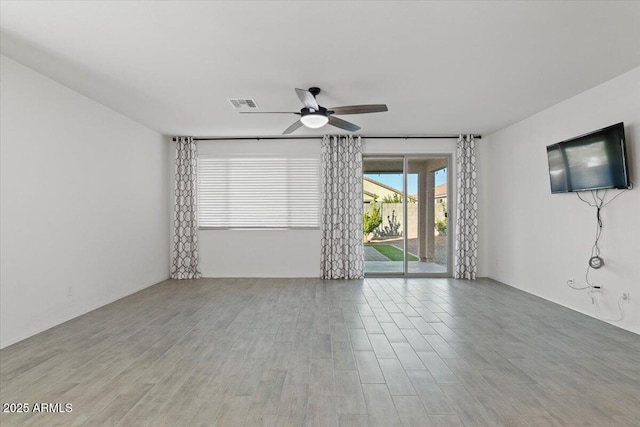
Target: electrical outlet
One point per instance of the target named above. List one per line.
(626, 297)
(570, 282)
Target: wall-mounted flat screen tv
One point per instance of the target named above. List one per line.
(594, 161)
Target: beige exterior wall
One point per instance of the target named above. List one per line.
(387, 209)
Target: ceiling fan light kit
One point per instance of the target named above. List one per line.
(314, 119)
(315, 116)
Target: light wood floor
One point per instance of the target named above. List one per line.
(304, 352)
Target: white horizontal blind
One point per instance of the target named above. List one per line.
(258, 192)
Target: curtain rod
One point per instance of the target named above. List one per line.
(258, 138)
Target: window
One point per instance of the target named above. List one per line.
(264, 192)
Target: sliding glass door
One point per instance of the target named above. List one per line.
(406, 215)
(383, 188)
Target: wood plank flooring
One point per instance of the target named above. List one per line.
(307, 352)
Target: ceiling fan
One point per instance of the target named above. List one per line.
(315, 116)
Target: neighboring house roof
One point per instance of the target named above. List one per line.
(370, 194)
(379, 184)
(375, 190)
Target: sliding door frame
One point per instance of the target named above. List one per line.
(451, 211)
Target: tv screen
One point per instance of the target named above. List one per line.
(593, 161)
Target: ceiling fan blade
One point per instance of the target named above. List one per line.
(268, 112)
(307, 99)
(343, 124)
(360, 109)
(297, 124)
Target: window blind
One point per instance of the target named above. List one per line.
(263, 192)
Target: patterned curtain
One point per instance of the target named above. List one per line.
(185, 237)
(466, 259)
(342, 253)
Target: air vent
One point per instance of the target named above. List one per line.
(243, 103)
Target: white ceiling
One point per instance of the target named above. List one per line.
(441, 67)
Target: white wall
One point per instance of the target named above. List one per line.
(537, 240)
(84, 188)
(279, 253)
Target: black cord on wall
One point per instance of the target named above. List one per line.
(599, 202)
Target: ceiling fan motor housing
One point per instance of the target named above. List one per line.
(321, 111)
